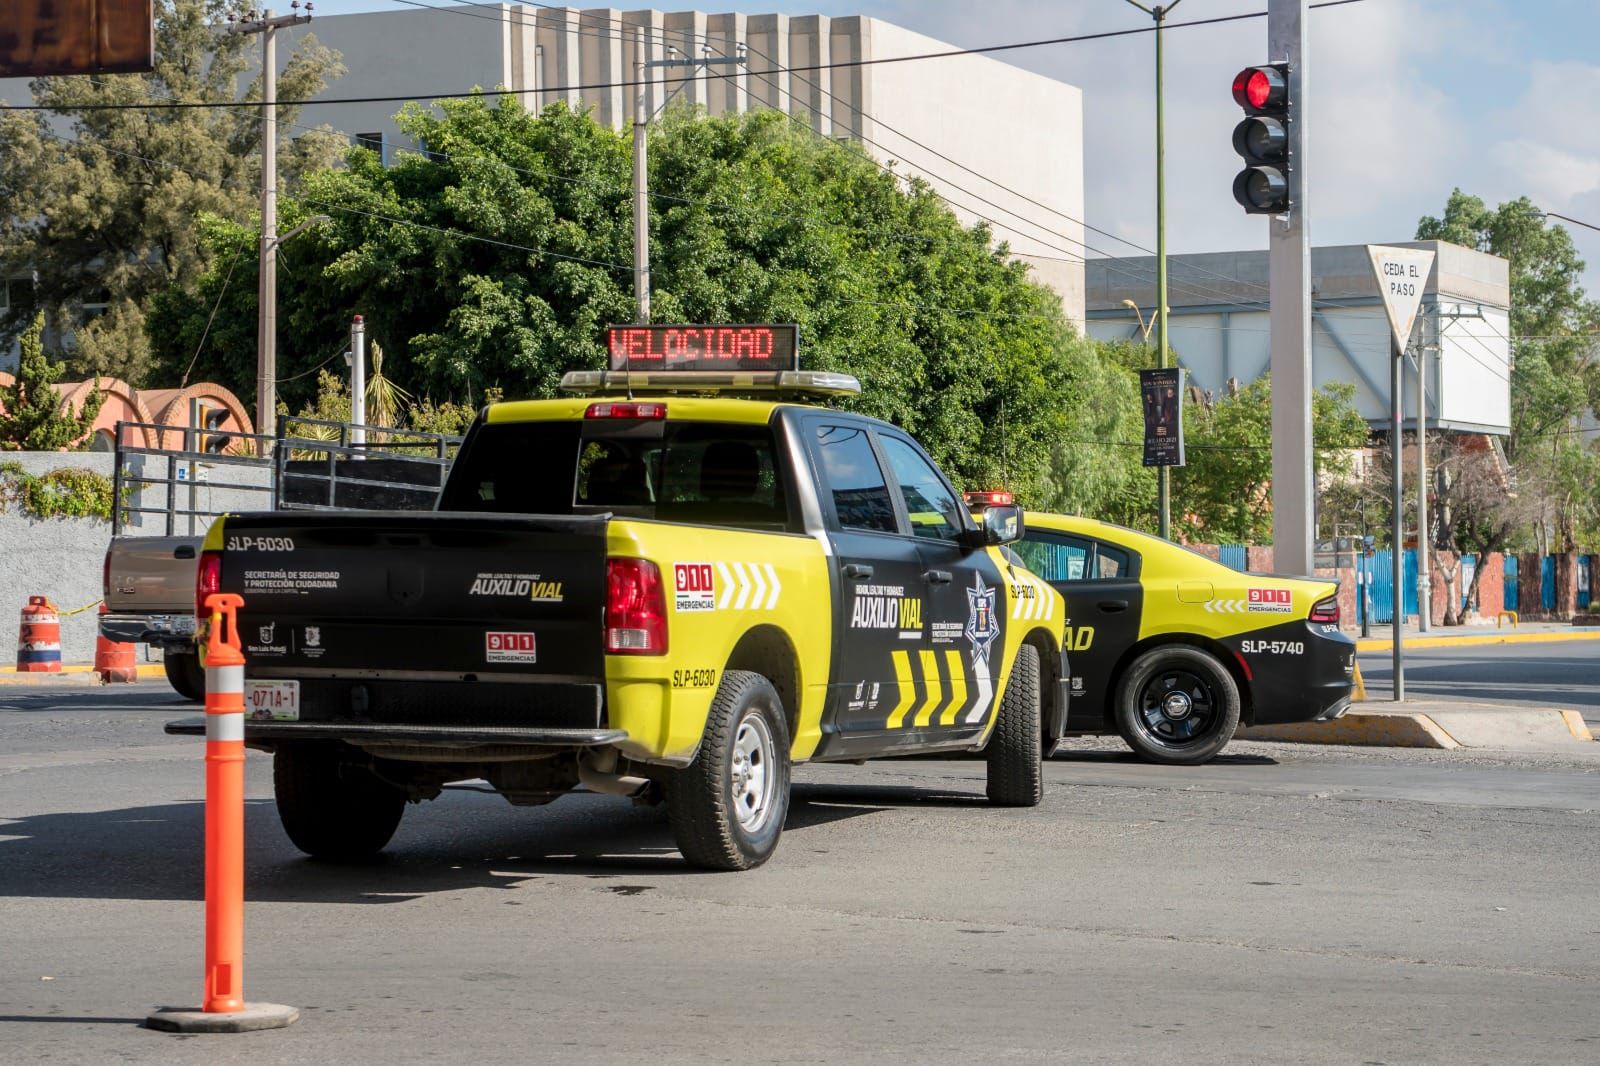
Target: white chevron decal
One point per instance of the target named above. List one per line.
(728, 586)
(748, 585)
(777, 586)
(1226, 606)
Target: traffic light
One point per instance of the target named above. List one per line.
(215, 441)
(1262, 138)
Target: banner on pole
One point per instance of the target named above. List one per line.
(1163, 416)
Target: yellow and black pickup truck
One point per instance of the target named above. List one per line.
(675, 584)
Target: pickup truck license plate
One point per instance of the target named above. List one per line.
(272, 701)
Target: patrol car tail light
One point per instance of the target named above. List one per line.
(207, 580)
(626, 410)
(1325, 611)
(636, 608)
(988, 499)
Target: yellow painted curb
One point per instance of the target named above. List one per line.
(1361, 728)
(1576, 725)
(1467, 642)
(10, 676)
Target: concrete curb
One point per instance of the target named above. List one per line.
(1360, 728)
(1441, 727)
(76, 674)
(1468, 642)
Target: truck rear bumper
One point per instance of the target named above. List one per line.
(465, 736)
(165, 630)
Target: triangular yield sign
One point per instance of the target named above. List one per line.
(1402, 273)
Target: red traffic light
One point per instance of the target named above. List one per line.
(1258, 89)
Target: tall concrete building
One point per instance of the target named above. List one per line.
(987, 136)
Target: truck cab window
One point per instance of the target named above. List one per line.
(854, 479)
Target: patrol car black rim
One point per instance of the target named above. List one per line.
(1177, 707)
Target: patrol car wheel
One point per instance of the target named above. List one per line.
(331, 807)
(1016, 774)
(185, 674)
(1177, 705)
(727, 808)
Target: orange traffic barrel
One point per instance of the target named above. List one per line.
(113, 660)
(39, 638)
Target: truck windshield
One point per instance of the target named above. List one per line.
(702, 473)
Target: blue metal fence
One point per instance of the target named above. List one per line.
(1469, 563)
(1510, 592)
(1233, 555)
(1584, 592)
(1383, 586)
(1547, 583)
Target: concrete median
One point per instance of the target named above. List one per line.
(1439, 724)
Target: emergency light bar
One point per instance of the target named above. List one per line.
(618, 382)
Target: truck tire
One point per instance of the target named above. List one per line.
(332, 807)
(727, 808)
(1177, 705)
(185, 674)
(1016, 773)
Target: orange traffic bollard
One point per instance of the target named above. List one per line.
(223, 1008)
(39, 638)
(114, 660)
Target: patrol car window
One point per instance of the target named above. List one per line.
(1111, 562)
(1055, 557)
(933, 508)
(850, 468)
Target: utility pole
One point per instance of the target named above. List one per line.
(1397, 560)
(641, 165)
(267, 293)
(1163, 473)
(1424, 542)
(1289, 278)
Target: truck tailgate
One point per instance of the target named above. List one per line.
(420, 598)
(151, 574)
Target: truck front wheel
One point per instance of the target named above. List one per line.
(331, 806)
(727, 808)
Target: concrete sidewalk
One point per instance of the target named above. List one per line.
(1382, 638)
(1444, 724)
(71, 674)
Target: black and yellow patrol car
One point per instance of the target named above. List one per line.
(674, 583)
(1173, 651)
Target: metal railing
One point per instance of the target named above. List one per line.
(309, 464)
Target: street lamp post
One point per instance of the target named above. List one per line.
(1159, 13)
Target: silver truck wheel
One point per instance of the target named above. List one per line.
(727, 808)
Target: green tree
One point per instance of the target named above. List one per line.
(1555, 336)
(497, 259)
(1224, 494)
(31, 418)
(106, 213)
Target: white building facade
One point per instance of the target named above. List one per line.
(1219, 327)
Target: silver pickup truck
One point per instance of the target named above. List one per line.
(149, 591)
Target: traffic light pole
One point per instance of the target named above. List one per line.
(1289, 278)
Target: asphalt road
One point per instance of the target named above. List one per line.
(1564, 675)
(1282, 904)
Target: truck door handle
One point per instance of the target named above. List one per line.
(1112, 606)
(857, 570)
(937, 577)
(183, 551)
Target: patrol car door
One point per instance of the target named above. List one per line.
(1105, 602)
(878, 610)
(959, 664)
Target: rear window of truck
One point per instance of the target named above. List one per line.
(695, 472)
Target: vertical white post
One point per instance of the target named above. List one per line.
(358, 385)
(1424, 578)
(641, 188)
(1289, 272)
(267, 293)
(1398, 538)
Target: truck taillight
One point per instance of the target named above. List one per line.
(636, 608)
(207, 579)
(626, 410)
(1325, 611)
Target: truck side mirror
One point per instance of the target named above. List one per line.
(998, 523)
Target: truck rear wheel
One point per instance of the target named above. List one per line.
(331, 806)
(185, 674)
(1016, 773)
(727, 808)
